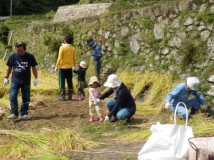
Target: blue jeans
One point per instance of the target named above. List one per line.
(97, 66)
(190, 103)
(122, 113)
(25, 89)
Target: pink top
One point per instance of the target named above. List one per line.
(94, 94)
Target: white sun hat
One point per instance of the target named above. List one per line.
(113, 81)
(193, 82)
(93, 79)
(83, 64)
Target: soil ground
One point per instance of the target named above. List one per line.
(54, 114)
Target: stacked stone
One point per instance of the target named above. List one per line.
(66, 13)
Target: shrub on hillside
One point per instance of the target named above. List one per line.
(4, 31)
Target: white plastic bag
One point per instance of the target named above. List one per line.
(168, 141)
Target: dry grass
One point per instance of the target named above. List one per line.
(24, 144)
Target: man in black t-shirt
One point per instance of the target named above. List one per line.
(21, 63)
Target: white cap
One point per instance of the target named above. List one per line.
(193, 82)
(113, 81)
(93, 79)
(82, 64)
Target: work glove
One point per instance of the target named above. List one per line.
(6, 81)
(204, 107)
(56, 69)
(167, 105)
(106, 119)
(93, 54)
(35, 81)
(98, 100)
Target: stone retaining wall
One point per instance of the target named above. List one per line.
(66, 13)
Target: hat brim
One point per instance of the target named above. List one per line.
(93, 82)
(111, 85)
(88, 44)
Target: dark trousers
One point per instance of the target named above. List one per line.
(97, 66)
(14, 89)
(65, 74)
(81, 91)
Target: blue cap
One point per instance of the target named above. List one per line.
(90, 41)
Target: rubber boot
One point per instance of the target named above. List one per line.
(79, 98)
(62, 95)
(101, 118)
(91, 119)
(193, 110)
(69, 94)
(83, 98)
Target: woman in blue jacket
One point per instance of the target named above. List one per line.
(181, 92)
(123, 106)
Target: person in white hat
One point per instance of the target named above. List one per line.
(123, 107)
(81, 80)
(181, 92)
(94, 93)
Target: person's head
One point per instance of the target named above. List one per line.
(113, 82)
(68, 39)
(90, 42)
(20, 48)
(192, 83)
(83, 65)
(94, 82)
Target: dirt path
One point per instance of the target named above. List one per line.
(74, 114)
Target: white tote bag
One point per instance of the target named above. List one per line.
(168, 141)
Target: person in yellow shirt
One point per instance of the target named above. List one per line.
(66, 61)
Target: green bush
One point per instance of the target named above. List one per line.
(4, 31)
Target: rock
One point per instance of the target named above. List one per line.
(107, 34)
(125, 31)
(201, 23)
(184, 6)
(184, 76)
(165, 51)
(175, 23)
(211, 1)
(205, 35)
(147, 13)
(190, 28)
(157, 11)
(203, 7)
(137, 36)
(157, 57)
(109, 48)
(181, 35)
(100, 32)
(53, 66)
(90, 33)
(134, 46)
(159, 29)
(103, 48)
(175, 41)
(194, 7)
(165, 10)
(210, 49)
(173, 8)
(210, 26)
(201, 28)
(116, 43)
(211, 78)
(211, 91)
(189, 21)
(212, 10)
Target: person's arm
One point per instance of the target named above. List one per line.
(108, 93)
(175, 92)
(9, 69)
(60, 57)
(98, 52)
(34, 72)
(120, 98)
(75, 71)
(200, 97)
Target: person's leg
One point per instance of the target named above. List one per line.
(97, 66)
(194, 103)
(110, 104)
(91, 111)
(98, 109)
(79, 94)
(122, 114)
(62, 84)
(69, 74)
(25, 100)
(13, 98)
(181, 110)
(83, 93)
